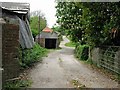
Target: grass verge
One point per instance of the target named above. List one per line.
(70, 44)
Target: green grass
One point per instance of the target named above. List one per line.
(70, 44)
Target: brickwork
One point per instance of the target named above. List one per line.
(10, 45)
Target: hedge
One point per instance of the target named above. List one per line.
(82, 52)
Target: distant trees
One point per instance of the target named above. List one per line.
(37, 13)
(58, 29)
(34, 22)
(89, 23)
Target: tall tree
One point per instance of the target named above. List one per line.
(89, 23)
(34, 23)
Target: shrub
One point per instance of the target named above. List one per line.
(82, 51)
(30, 56)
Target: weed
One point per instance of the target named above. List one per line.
(60, 60)
(17, 84)
(77, 85)
(30, 56)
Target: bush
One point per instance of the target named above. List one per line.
(30, 56)
(82, 51)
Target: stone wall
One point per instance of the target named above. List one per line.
(95, 56)
(10, 54)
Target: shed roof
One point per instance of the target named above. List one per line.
(11, 17)
(43, 34)
(16, 7)
(47, 29)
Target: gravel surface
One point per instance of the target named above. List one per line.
(60, 68)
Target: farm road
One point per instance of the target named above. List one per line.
(60, 68)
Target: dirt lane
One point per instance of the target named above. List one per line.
(60, 68)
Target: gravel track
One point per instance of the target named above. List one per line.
(61, 67)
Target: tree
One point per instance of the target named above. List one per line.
(69, 18)
(89, 23)
(34, 22)
(37, 13)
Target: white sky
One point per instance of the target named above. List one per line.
(46, 6)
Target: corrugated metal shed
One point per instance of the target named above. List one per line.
(25, 35)
(14, 15)
(16, 7)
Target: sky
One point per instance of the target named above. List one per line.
(45, 6)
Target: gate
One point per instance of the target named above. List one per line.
(110, 58)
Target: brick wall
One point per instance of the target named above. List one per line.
(41, 41)
(10, 45)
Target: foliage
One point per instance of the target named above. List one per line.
(68, 19)
(70, 44)
(30, 56)
(34, 23)
(81, 52)
(59, 29)
(89, 23)
(17, 84)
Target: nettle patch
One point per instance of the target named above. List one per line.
(30, 56)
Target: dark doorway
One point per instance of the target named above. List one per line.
(50, 43)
